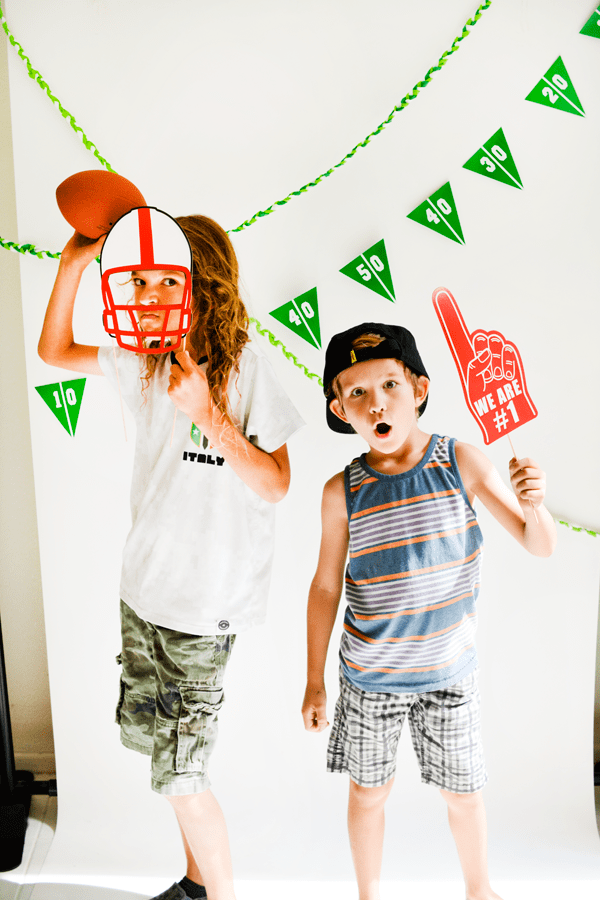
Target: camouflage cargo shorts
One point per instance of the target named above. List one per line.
(171, 694)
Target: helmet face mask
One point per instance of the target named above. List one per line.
(145, 240)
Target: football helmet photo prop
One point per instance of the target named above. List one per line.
(146, 264)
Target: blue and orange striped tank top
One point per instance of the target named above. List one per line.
(413, 575)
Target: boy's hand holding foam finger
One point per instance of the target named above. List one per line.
(314, 710)
(528, 482)
(188, 389)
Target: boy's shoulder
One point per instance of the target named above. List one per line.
(473, 464)
(334, 495)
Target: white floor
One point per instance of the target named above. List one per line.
(27, 883)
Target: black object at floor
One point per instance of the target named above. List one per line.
(15, 797)
(16, 788)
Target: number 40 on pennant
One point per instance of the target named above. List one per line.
(301, 315)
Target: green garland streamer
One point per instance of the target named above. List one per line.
(470, 23)
(28, 248)
(577, 527)
(275, 342)
(264, 332)
(402, 105)
(37, 76)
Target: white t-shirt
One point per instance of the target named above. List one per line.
(198, 556)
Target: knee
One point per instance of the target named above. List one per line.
(368, 798)
(463, 802)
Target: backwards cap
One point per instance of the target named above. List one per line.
(398, 343)
(145, 238)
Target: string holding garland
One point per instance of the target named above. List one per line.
(37, 77)
(411, 95)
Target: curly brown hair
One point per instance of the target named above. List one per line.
(219, 316)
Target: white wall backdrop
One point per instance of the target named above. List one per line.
(224, 108)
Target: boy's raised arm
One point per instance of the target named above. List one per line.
(324, 598)
(56, 345)
(522, 513)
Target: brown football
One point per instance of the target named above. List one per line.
(93, 200)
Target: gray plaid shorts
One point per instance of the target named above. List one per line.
(171, 693)
(445, 728)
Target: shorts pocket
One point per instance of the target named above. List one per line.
(120, 702)
(197, 727)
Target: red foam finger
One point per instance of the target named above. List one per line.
(455, 329)
(496, 345)
(509, 362)
(479, 364)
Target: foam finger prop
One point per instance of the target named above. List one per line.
(490, 369)
(146, 266)
(93, 201)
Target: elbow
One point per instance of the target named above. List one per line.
(543, 551)
(43, 352)
(279, 484)
(549, 550)
(47, 353)
(276, 491)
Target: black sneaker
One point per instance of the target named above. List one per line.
(175, 892)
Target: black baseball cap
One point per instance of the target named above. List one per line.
(398, 343)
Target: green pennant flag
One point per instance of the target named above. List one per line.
(556, 90)
(372, 269)
(301, 315)
(592, 26)
(64, 399)
(439, 213)
(494, 160)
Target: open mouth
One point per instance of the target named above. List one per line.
(382, 428)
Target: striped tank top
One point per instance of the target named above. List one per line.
(413, 575)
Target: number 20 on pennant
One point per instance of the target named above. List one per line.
(555, 89)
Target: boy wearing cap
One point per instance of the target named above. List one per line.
(405, 512)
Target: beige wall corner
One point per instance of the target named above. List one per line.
(20, 581)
